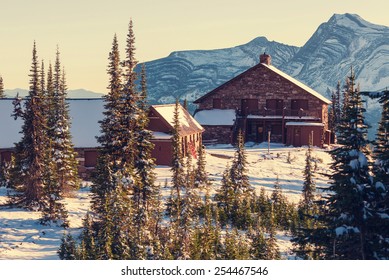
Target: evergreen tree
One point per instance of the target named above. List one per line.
(30, 151)
(307, 211)
(348, 231)
(236, 246)
(130, 98)
(2, 95)
(309, 186)
(111, 126)
(53, 210)
(201, 176)
(239, 177)
(88, 245)
(236, 195)
(67, 249)
(271, 251)
(59, 130)
(381, 148)
(145, 190)
(258, 242)
(178, 173)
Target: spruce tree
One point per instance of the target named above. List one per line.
(67, 249)
(88, 245)
(348, 231)
(111, 125)
(201, 176)
(271, 251)
(30, 151)
(178, 173)
(381, 148)
(307, 210)
(130, 99)
(239, 176)
(145, 190)
(309, 186)
(59, 131)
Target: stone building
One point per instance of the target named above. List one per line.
(265, 103)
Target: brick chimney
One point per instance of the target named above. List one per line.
(265, 58)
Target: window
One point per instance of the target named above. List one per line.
(249, 106)
(217, 103)
(298, 105)
(274, 106)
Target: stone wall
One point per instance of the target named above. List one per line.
(220, 134)
(261, 83)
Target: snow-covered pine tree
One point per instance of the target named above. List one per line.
(129, 110)
(236, 245)
(30, 151)
(348, 231)
(236, 194)
(111, 126)
(174, 202)
(67, 249)
(201, 175)
(145, 190)
(309, 186)
(53, 210)
(258, 242)
(87, 248)
(63, 153)
(307, 210)
(271, 251)
(2, 94)
(238, 171)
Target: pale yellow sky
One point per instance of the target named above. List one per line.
(84, 29)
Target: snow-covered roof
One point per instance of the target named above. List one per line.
(297, 83)
(303, 124)
(188, 125)
(84, 114)
(215, 117)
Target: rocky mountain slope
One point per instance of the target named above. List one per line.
(345, 40)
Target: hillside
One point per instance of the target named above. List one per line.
(22, 237)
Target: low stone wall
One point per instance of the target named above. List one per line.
(221, 134)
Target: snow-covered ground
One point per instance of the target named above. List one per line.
(22, 237)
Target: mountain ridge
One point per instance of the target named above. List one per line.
(344, 41)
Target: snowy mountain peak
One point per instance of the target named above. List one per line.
(353, 21)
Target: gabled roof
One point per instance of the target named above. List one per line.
(278, 72)
(188, 125)
(85, 115)
(297, 83)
